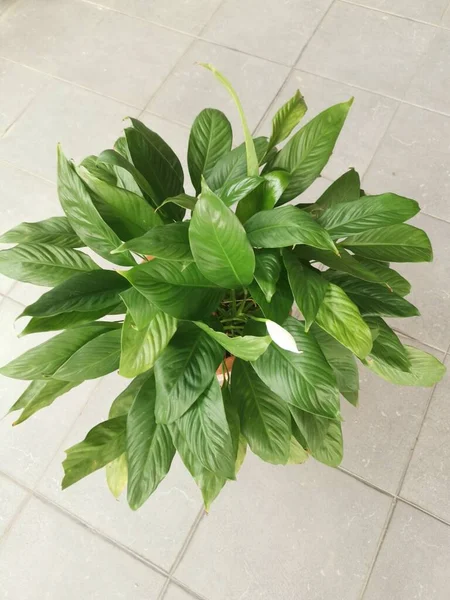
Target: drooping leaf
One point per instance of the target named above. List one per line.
(219, 243)
(66, 320)
(209, 140)
(396, 243)
(117, 475)
(183, 200)
(42, 264)
(149, 447)
(55, 231)
(247, 347)
(184, 370)
(267, 271)
(287, 118)
(297, 454)
(387, 347)
(323, 437)
(122, 403)
(182, 292)
(396, 282)
(170, 242)
(280, 306)
(305, 380)
(344, 189)
(38, 395)
(308, 151)
(233, 166)
(286, 226)
(265, 418)
(140, 308)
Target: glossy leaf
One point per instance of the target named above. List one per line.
(387, 347)
(238, 190)
(247, 347)
(394, 281)
(323, 437)
(66, 320)
(267, 271)
(140, 308)
(233, 166)
(263, 197)
(38, 395)
(287, 118)
(280, 306)
(344, 189)
(56, 231)
(183, 200)
(170, 242)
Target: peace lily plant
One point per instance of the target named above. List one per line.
(210, 281)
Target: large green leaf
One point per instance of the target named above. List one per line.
(387, 347)
(42, 264)
(43, 360)
(340, 317)
(103, 443)
(141, 347)
(307, 285)
(183, 200)
(149, 447)
(247, 347)
(170, 242)
(219, 243)
(140, 308)
(370, 212)
(209, 140)
(238, 190)
(83, 216)
(184, 370)
(263, 197)
(86, 292)
(265, 418)
(38, 395)
(180, 291)
(206, 431)
(287, 118)
(345, 189)
(305, 380)
(308, 151)
(66, 320)
(397, 243)
(97, 358)
(233, 166)
(426, 370)
(280, 305)
(267, 271)
(122, 164)
(297, 454)
(286, 226)
(396, 282)
(56, 231)
(323, 437)
(342, 362)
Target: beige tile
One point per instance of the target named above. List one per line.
(12, 497)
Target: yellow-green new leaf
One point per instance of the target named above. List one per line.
(247, 347)
(286, 119)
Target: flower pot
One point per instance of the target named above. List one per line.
(220, 371)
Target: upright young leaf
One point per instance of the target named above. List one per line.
(287, 118)
(267, 271)
(219, 243)
(247, 347)
(233, 166)
(170, 242)
(308, 151)
(265, 418)
(56, 231)
(345, 189)
(387, 348)
(210, 138)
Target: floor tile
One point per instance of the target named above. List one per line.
(11, 498)
(267, 29)
(279, 530)
(5, 285)
(431, 12)
(157, 530)
(366, 123)
(176, 593)
(430, 84)
(189, 16)
(427, 481)
(65, 560)
(413, 160)
(191, 88)
(414, 558)
(367, 48)
(18, 87)
(83, 122)
(381, 432)
(91, 46)
(446, 18)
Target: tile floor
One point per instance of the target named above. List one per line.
(378, 527)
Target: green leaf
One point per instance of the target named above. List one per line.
(219, 243)
(426, 370)
(95, 359)
(43, 264)
(286, 226)
(323, 437)
(287, 118)
(275, 184)
(297, 454)
(140, 308)
(117, 475)
(42, 361)
(280, 306)
(238, 190)
(122, 404)
(370, 212)
(387, 347)
(206, 431)
(344, 189)
(340, 317)
(233, 166)
(38, 395)
(184, 200)
(247, 347)
(396, 282)
(170, 242)
(141, 347)
(265, 418)
(86, 292)
(308, 286)
(104, 443)
(308, 151)
(341, 361)
(184, 370)
(304, 380)
(150, 449)
(252, 159)
(373, 299)
(180, 291)
(267, 271)
(397, 243)
(83, 216)
(209, 140)
(123, 165)
(56, 231)
(64, 320)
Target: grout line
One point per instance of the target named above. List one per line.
(10, 164)
(366, 482)
(423, 510)
(17, 513)
(393, 14)
(187, 589)
(380, 142)
(413, 339)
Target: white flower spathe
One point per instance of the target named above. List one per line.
(281, 337)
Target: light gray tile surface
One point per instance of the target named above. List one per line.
(176, 593)
(431, 12)
(370, 49)
(265, 28)
(427, 481)
(65, 560)
(413, 562)
(11, 498)
(277, 527)
(446, 18)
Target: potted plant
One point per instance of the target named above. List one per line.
(228, 265)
